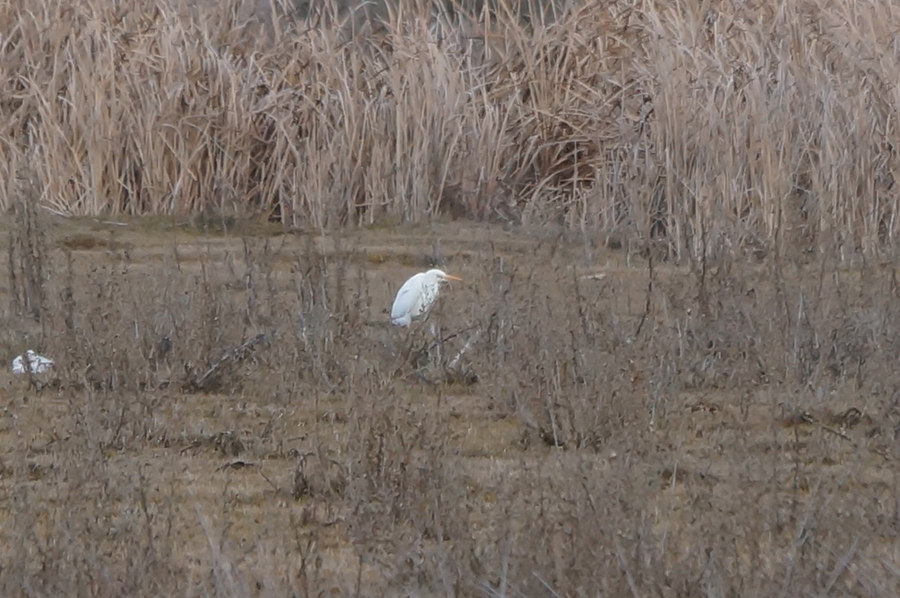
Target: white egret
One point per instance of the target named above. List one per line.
(39, 364)
(417, 296)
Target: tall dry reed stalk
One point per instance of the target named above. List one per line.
(708, 125)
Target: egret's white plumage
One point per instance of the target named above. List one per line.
(39, 364)
(417, 295)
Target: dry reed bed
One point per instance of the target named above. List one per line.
(709, 125)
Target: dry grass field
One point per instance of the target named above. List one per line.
(670, 371)
(583, 422)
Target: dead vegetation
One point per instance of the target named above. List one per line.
(704, 127)
(234, 416)
(671, 369)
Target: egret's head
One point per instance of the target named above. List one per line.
(443, 276)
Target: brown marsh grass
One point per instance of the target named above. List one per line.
(670, 370)
(706, 126)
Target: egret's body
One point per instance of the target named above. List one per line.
(417, 296)
(38, 363)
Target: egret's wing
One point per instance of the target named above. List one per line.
(408, 304)
(407, 299)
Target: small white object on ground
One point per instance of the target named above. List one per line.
(39, 364)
